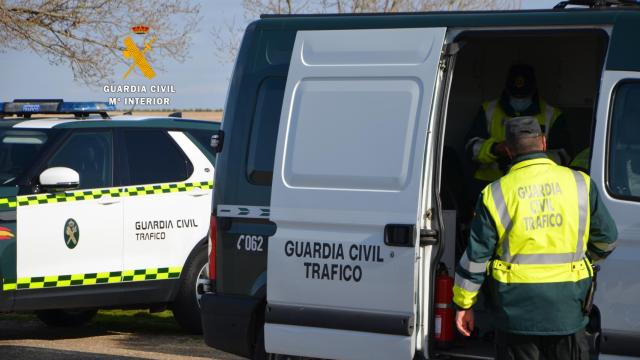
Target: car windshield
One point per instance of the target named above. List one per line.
(18, 150)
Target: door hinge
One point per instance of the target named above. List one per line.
(428, 237)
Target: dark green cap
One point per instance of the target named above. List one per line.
(520, 127)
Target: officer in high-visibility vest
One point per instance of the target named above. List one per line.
(485, 140)
(581, 161)
(534, 236)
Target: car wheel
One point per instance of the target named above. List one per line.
(66, 317)
(186, 306)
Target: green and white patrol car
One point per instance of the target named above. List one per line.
(102, 212)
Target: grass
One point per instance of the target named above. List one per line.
(136, 320)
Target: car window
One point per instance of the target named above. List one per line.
(264, 131)
(152, 157)
(18, 151)
(90, 154)
(202, 139)
(624, 143)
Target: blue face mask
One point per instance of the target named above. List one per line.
(520, 104)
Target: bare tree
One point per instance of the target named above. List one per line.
(87, 34)
(226, 37)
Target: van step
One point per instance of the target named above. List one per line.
(457, 356)
(468, 349)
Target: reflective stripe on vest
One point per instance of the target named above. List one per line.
(534, 212)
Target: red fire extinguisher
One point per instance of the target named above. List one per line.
(444, 312)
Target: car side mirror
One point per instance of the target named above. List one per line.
(59, 179)
(217, 140)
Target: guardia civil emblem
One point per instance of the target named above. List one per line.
(71, 233)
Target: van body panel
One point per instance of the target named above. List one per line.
(624, 51)
(377, 88)
(305, 340)
(618, 295)
(253, 102)
(237, 191)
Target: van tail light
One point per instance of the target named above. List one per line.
(213, 239)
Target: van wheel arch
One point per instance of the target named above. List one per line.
(257, 337)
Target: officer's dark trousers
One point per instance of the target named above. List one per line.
(533, 347)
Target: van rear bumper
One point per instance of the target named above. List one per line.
(229, 322)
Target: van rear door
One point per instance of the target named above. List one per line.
(343, 265)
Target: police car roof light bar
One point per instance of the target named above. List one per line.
(28, 107)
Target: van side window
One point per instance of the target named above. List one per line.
(264, 131)
(152, 157)
(624, 143)
(90, 154)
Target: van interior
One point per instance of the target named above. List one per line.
(568, 66)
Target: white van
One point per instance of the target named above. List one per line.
(359, 193)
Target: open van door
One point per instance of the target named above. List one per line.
(615, 161)
(347, 193)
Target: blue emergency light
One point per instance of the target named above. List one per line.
(28, 107)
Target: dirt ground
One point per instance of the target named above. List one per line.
(25, 337)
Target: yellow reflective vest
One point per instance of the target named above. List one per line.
(539, 274)
(542, 217)
(488, 169)
(582, 159)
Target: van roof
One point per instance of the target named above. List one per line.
(623, 50)
(460, 12)
(571, 16)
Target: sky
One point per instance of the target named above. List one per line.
(201, 81)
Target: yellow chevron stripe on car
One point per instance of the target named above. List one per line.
(38, 199)
(42, 282)
(166, 188)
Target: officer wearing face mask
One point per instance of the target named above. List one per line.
(485, 140)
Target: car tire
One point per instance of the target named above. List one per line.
(186, 306)
(66, 317)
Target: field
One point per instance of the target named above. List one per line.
(198, 115)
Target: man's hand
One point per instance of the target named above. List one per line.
(465, 321)
(500, 150)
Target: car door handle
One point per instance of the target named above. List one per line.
(403, 235)
(198, 192)
(108, 200)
